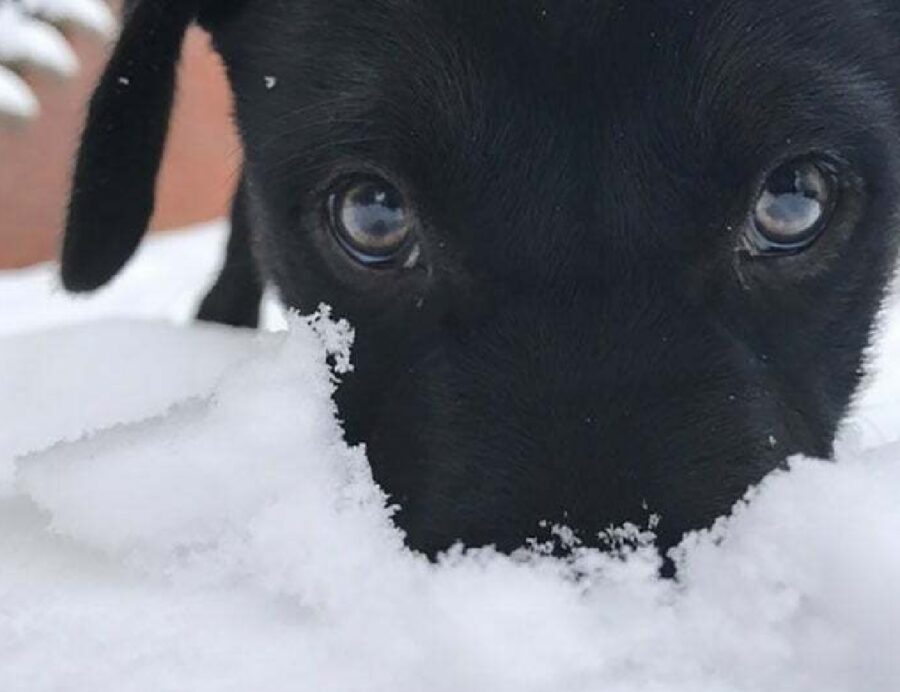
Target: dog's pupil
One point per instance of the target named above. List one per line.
(793, 202)
(373, 218)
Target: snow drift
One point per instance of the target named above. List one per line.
(179, 511)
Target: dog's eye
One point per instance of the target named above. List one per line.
(371, 220)
(793, 208)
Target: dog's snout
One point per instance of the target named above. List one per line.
(542, 417)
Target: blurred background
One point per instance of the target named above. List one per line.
(199, 169)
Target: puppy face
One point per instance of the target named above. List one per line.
(603, 259)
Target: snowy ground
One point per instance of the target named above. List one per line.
(178, 511)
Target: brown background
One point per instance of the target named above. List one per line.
(198, 173)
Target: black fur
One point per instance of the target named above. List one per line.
(122, 143)
(234, 298)
(586, 340)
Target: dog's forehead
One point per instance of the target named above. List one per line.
(582, 101)
(544, 29)
(348, 40)
(588, 59)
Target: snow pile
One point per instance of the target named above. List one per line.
(212, 531)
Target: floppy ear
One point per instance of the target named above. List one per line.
(115, 172)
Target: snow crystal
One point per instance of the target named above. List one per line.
(181, 512)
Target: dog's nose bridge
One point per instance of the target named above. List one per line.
(586, 367)
(550, 412)
(545, 362)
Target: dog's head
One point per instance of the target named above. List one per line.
(602, 257)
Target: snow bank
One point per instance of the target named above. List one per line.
(55, 388)
(212, 531)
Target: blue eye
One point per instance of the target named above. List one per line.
(793, 208)
(371, 221)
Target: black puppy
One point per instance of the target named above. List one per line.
(603, 258)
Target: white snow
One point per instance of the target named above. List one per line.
(163, 281)
(31, 39)
(178, 511)
(25, 40)
(93, 16)
(17, 102)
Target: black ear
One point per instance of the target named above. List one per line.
(115, 173)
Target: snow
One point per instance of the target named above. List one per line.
(30, 38)
(16, 100)
(25, 40)
(93, 16)
(178, 511)
(163, 281)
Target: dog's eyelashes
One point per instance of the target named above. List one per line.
(793, 208)
(372, 222)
